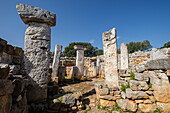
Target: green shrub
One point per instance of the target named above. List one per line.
(98, 106)
(123, 87)
(132, 75)
(157, 111)
(150, 85)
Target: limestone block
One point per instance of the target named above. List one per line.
(68, 99)
(127, 105)
(158, 64)
(35, 14)
(158, 53)
(10, 49)
(136, 94)
(142, 77)
(5, 58)
(124, 56)
(17, 60)
(61, 73)
(147, 107)
(163, 107)
(74, 72)
(106, 102)
(79, 47)
(4, 71)
(3, 45)
(56, 60)
(138, 85)
(111, 61)
(18, 51)
(6, 87)
(5, 103)
(103, 91)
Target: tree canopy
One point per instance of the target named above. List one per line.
(136, 46)
(90, 52)
(166, 45)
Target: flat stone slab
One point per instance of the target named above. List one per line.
(79, 47)
(35, 14)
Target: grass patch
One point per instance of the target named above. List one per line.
(98, 106)
(150, 85)
(132, 75)
(123, 87)
(61, 99)
(87, 110)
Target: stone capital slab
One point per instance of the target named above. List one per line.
(35, 14)
(79, 47)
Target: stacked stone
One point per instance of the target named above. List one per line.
(37, 46)
(149, 91)
(111, 58)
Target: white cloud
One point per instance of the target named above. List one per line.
(92, 41)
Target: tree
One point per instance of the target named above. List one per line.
(136, 46)
(71, 52)
(99, 52)
(166, 45)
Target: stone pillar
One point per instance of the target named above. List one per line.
(98, 64)
(111, 60)
(56, 61)
(37, 47)
(124, 56)
(80, 60)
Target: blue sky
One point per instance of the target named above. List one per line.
(86, 20)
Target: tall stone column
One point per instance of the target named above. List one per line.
(56, 61)
(80, 60)
(37, 47)
(124, 56)
(111, 61)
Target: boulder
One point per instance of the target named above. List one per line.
(68, 99)
(163, 107)
(14, 69)
(55, 104)
(19, 84)
(140, 68)
(135, 94)
(6, 87)
(3, 45)
(17, 60)
(10, 49)
(103, 91)
(4, 71)
(53, 90)
(127, 105)
(147, 107)
(138, 85)
(35, 14)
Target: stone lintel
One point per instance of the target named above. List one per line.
(79, 47)
(35, 14)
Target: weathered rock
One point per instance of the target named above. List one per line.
(17, 60)
(138, 85)
(39, 93)
(139, 101)
(111, 59)
(159, 53)
(5, 104)
(6, 87)
(19, 87)
(74, 72)
(124, 56)
(103, 91)
(140, 68)
(163, 76)
(127, 105)
(147, 101)
(80, 60)
(163, 107)
(109, 97)
(4, 71)
(162, 93)
(10, 49)
(142, 77)
(147, 107)
(3, 45)
(61, 73)
(77, 95)
(55, 105)
(152, 98)
(158, 64)
(18, 51)
(106, 102)
(14, 69)
(56, 61)
(68, 99)
(135, 94)
(35, 14)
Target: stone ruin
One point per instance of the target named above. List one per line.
(24, 75)
(111, 59)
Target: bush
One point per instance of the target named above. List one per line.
(132, 75)
(123, 87)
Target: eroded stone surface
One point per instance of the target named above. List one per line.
(147, 107)
(138, 85)
(124, 56)
(35, 14)
(111, 60)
